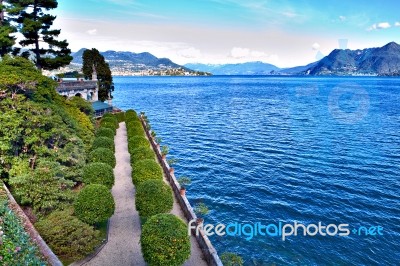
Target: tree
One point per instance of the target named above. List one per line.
(6, 29)
(35, 26)
(93, 58)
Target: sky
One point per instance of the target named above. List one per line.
(280, 32)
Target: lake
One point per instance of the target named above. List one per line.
(276, 150)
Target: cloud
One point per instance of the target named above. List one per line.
(397, 24)
(315, 46)
(342, 18)
(190, 53)
(92, 32)
(380, 26)
(289, 14)
(238, 52)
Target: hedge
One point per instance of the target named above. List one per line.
(94, 204)
(67, 236)
(130, 114)
(137, 141)
(141, 153)
(133, 131)
(165, 240)
(110, 119)
(144, 170)
(120, 117)
(105, 132)
(98, 173)
(102, 155)
(103, 142)
(110, 125)
(153, 197)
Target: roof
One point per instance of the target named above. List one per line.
(77, 85)
(98, 106)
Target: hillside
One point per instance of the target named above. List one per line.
(250, 68)
(372, 61)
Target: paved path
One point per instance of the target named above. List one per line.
(123, 247)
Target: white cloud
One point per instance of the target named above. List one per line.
(190, 53)
(342, 18)
(380, 26)
(316, 46)
(238, 52)
(397, 24)
(92, 32)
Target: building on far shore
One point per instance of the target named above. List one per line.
(88, 90)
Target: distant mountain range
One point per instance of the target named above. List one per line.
(382, 61)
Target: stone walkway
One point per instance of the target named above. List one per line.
(123, 247)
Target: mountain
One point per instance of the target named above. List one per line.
(128, 62)
(296, 70)
(380, 61)
(250, 68)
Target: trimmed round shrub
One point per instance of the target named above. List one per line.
(165, 240)
(120, 116)
(141, 153)
(102, 155)
(137, 141)
(110, 126)
(105, 132)
(94, 204)
(98, 173)
(106, 115)
(130, 114)
(103, 142)
(67, 236)
(111, 119)
(146, 170)
(153, 197)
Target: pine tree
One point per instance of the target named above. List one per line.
(93, 58)
(35, 26)
(6, 30)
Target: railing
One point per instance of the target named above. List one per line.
(209, 252)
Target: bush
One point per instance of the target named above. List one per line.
(136, 142)
(231, 259)
(120, 116)
(153, 197)
(105, 132)
(165, 240)
(98, 173)
(67, 236)
(94, 204)
(130, 114)
(146, 170)
(102, 155)
(103, 142)
(110, 119)
(141, 153)
(110, 125)
(134, 130)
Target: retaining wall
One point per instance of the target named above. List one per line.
(209, 252)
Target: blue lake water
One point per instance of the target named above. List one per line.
(271, 149)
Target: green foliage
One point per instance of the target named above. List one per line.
(164, 150)
(102, 155)
(105, 132)
(172, 161)
(98, 173)
(165, 241)
(43, 188)
(153, 197)
(137, 141)
(231, 259)
(35, 26)
(131, 114)
(141, 153)
(94, 58)
(134, 129)
(67, 236)
(184, 181)
(103, 142)
(6, 30)
(120, 117)
(16, 247)
(110, 119)
(146, 170)
(84, 106)
(110, 125)
(201, 209)
(95, 204)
